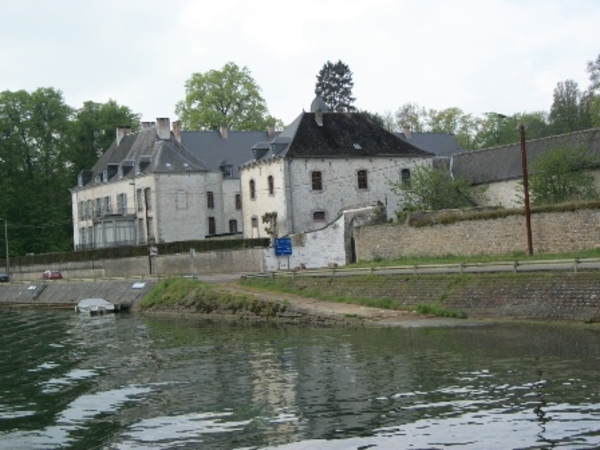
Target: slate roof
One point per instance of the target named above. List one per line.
(505, 162)
(216, 151)
(342, 135)
(440, 144)
(159, 156)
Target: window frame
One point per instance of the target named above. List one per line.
(210, 199)
(316, 180)
(362, 179)
(319, 212)
(252, 187)
(271, 184)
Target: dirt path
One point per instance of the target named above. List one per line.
(369, 316)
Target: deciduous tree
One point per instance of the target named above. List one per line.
(228, 97)
(432, 188)
(93, 130)
(561, 175)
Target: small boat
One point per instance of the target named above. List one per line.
(95, 306)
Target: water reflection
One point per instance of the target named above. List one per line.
(127, 382)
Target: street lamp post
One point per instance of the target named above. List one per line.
(6, 245)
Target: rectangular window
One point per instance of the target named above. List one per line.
(212, 226)
(122, 203)
(238, 201)
(88, 209)
(271, 185)
(405, 176)
(141, 231)
(252, 190)
(80, 210)
(107, 205)
(317, 181)
(140, 200)
(319, 216)
(210, 200)
(227, 171)
(147, 199)
(361, 176)
(233, 226)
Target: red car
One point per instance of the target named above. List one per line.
(52, 275)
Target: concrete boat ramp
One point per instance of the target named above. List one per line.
(67, 294)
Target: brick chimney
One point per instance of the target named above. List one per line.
(121, 133)
(163, 128)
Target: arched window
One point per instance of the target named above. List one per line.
(252, 190)
(271, 185)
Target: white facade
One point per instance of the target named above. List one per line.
(303, 204)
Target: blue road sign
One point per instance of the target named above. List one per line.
(283, 247)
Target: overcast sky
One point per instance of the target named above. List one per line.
(504, 56)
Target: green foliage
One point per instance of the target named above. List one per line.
(35, 170)
(412, 117)
(176, 294)
(570, 109)
(334, 85)
(453, 121)
(439, 311)
(497, 129)
(432, 189)
(228, 97)
(560, 176)
(288, 286)
(93, 131)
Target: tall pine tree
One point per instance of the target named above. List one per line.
(334, 86)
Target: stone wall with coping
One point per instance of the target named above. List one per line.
(551, 233)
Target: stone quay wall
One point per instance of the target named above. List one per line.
(554, 232)
(526, 296)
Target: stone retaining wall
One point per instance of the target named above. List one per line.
(562, 296)
(551, 233)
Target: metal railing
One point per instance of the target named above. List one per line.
(557, 265)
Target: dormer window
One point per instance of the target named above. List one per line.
(227, 171)
(104, 176)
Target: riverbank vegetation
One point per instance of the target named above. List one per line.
(180, 294)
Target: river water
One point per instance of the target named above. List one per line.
(132, 382)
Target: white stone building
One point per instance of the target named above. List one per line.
(163, 185)
(320, 165)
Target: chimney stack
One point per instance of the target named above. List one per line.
(319, 117)
(271, 131)
(163, 128)
(406, 132)
(223, 131)
(121, 133)
(177, 130)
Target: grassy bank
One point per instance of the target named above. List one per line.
(179, 294)
(289, 286)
